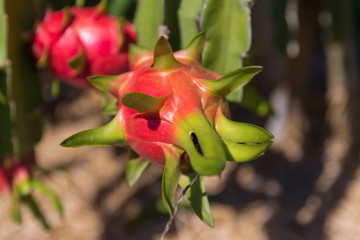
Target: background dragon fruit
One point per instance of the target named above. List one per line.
(172, 112)
(78, 42)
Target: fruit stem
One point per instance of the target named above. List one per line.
(201, 17)
(163, 30)
(163, 12)
(172, 217)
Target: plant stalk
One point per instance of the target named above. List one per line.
(171, 219)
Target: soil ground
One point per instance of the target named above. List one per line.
(270, 198)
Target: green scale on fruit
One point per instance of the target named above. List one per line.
(172, 112)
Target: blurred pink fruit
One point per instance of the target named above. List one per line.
(79, 42)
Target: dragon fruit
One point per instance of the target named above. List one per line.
(169, 103)
(78, 42)
(172, 112)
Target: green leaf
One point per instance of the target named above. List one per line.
(30, 202)
(170, 178)
(119, 8)
(233, 80)
(227, 24)
(142, 102)
(240, 152)
(147, 21)
(188, 14)
(196, 47)
(80, 3)
(49, 193)
(255, 102)
(109, 134)
(135, 167)
(198, 198)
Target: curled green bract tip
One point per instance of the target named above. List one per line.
(240, 132)
(243, 141)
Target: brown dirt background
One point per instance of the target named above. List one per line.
(269, 198)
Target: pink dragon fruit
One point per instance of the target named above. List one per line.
(170, 106)
(79, 42)
(172, 112)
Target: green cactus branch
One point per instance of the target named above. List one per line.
(80, 3)
(20, 93)
(3, 36)
(6, 140)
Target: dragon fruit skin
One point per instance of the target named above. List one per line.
(78, 42)
(169, 104)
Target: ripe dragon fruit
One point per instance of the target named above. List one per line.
(172, 113)
(78, 42)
